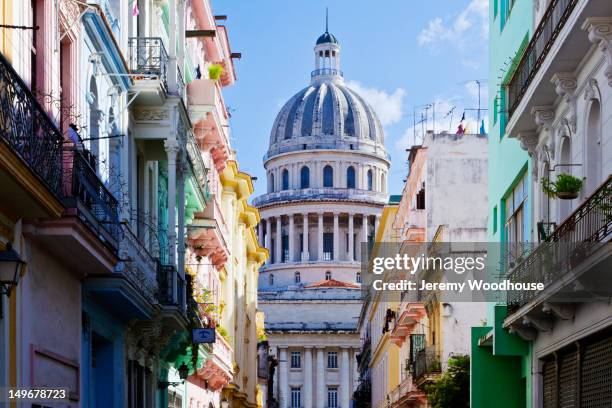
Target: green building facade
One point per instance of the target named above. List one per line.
(501, 361)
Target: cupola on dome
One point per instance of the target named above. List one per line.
(327, 114)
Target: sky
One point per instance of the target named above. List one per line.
(400, 55)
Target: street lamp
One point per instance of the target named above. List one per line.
(11, 266)
(183, 371)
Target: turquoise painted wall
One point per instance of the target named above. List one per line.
(508, 361)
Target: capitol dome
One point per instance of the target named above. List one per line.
(327, 114)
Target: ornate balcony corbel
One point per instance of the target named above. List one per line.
(565, 86)
(600, 33)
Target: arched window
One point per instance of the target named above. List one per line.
(350, 177)
(358, 277)
(593, 148)
(328, 176)
(285, 179)
(305, 177)
(370, 180)
(271, 183)
(271, 279)
(94, 119)
(297, 277)
(328, 275)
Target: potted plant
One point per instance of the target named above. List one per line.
(215, 71)
(565, 187)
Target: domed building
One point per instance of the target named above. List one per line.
(327, 173)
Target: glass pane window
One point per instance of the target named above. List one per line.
(296, 397)
(332, 359)
(296, 359)
(332, 397)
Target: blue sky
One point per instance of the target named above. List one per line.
(398, 54)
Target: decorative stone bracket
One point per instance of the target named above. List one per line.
(565, 87)
(600, 32)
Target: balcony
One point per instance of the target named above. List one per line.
(426, 365)
(407, 394)
(154, 77)
(573, 264)
(129, 292)
(326, 72)
(87, 197)
(409, 316)
(321, 194)
(218, 370)
(208, 234)
(36, 145)
(209, 114)
(171, 286)
(556, 50)
(543, 38)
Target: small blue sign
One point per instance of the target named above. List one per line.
(203, 335)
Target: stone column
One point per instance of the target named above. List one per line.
(364, 235)
(279, 240)
(320, 378)
(336, 237)
(291, 239)
(260, 236)
(376, 225)
(268, 239)
(172, 147)
(351, 239)
(180, 247)
(308, 377)
(320, 238)
(345, 391)
(305, 255)
(283, 378)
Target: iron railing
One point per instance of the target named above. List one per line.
(85, 192)
(147, 56)
(543, 38)
(326, 71)
(171, 286)
(198, 167)
(28, 130)
(180, 83)
(573, 241)
(323, 193)
(426, 362)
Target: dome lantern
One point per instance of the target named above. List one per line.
(327, 55)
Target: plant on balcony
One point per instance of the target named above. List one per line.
(451, 389)
(215, 71)
(565, 187)
(223, 333)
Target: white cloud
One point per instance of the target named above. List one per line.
(388, 106)
(471, 23)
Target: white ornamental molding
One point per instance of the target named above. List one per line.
(529, 141)
(565, 86)
(600, 32)
(591, 91)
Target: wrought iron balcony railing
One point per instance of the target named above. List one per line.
(590, 223)
(326, 71)
(543, 38)
(426, 362)
(171, 286)
(28, 130)
(147, 56)
(84, 190)
(198, 167)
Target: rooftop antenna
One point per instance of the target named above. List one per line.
(326, 19)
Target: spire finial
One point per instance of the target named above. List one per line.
(326, 19)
